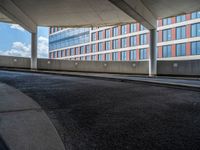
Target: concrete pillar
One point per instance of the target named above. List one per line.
(34, 50)
(153, 53)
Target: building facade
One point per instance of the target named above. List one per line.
(178, 38)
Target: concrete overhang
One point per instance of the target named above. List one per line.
(87, 13)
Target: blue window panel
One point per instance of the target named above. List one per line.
(123, 42)
(87, 49)
(181, 49)
(133, 55)
(115, 31)
(107, 45)
(167, 35)
(123, 56)
(88, 58)
(166, 51)
(195, 15)
(100, 35)
(133, 27)
(115, 56)
(167, 21)
(142, 28)
(133, 41)
(94, 37)
(180, 18)
(143, 53)
(59, 54)
(93, 47)
(107, 33)
(107, 57)
(77, 51)
(100, 46)
(100, 57)
(115, 44)
(195, 48)
(124, 29)
(93, 57)
(82, 50)
(195, 30)
(180, 32)
(72, 51)
(143, 39)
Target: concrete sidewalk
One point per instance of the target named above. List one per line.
(23, 124)
(178, 82)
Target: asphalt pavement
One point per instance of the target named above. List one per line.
(97, 114)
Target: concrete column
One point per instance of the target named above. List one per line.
(153, 53)
(34, 50)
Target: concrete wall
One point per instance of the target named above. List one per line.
(14, 62)
(94, 66)
(179, 67)
(165, 67)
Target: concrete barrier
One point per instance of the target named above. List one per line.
(94, 66)
(14, 62)
(165, 67)
(179, 67)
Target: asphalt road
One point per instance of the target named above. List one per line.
(3, 145)
(92, 114)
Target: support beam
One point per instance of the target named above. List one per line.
(138, 11)
(34, 51)
(12, 11)
(153, 53)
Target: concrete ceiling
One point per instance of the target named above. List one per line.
(74, 13)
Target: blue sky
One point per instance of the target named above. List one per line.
(15, 41)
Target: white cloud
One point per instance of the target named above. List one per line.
(17, 27)
(24, 50)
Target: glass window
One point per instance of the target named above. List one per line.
(115, 31)
(100, 57)
(123, 56)
(93, 57)
(133, 27)
(77, 51)
(142, 28)
(180, 32)
(100, 35)
(66, 52)
(87, 49)
(107, 33)
(195, 30)
(180, 18)
(82, 50)
(195, 48)
(108, 57)
(167, 35)
(72, 51)
(166, 51)
(123, 42)
(195, 15)
(82, 58)
(143, 53)
(167, 21)
(100, 46)
(94, 37)
(88, 57)
(115, 44)
(59, 54)
(133, 41)
(143, 39)
(93, 47)
(124, 29)
(181, 49)
(107, 45)
(133, 55)
(115, 56)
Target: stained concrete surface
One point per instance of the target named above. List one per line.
(108, 115)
